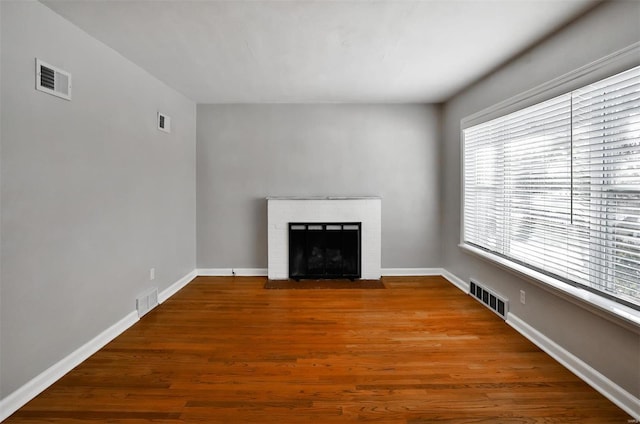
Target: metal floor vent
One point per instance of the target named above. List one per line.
(147, 301)
(491, 300)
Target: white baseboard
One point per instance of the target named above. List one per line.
(228, 272)
(410, 272)
(616, 394)
(173, 289)
(456, 281)
(263, 272)
(35, 386)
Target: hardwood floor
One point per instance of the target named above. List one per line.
(225, 350)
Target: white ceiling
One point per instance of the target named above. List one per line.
(319, 51)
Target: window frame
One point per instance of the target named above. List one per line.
(615, 63)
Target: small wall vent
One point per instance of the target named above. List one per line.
(164, 122)
(496, 303)
(52, 80)
(147, 301)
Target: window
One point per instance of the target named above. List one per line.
(555, 187)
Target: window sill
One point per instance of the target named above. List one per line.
(606, 308)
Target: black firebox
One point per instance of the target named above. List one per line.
(324, 250)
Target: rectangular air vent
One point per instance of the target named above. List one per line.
(147, 301)
(52, 80)
(164, 122)
(496, 303)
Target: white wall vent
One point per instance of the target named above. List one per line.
(164, 122)
(496, 303)
(147, 301)
(52, 80)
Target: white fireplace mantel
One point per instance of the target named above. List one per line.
(283, 210)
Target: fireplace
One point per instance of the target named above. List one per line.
(324, 250)
(329, 210)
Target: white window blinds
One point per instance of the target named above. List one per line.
(556, 187)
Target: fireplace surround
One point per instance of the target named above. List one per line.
(282, 211)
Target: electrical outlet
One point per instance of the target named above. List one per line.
(523, 297)
(152, 274)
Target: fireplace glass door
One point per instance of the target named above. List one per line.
(324, 250)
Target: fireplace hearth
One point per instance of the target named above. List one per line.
(324, 250)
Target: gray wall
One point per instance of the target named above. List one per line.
(607, 347)
(92, 194)
(247, 152)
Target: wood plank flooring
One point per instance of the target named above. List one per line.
(225, 350)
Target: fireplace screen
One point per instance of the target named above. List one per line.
(324, 250)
